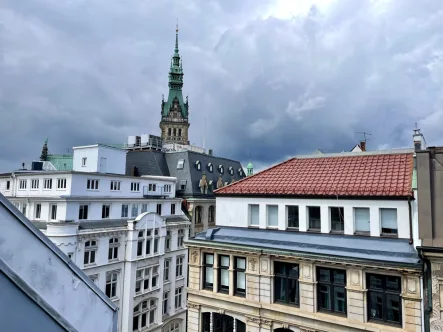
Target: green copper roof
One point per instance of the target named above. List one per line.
(249, 166)
(62, 162)
(175, 84)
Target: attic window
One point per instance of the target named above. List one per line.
(231, 170)
(240, 172)
(198, 165)
(180, 164)
(182, 184)
(210, 167)
(220, 168)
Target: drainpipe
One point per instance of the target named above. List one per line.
(427, 291)
(411, 240)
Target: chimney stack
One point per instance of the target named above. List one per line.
(363, 146)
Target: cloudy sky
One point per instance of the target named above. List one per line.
(272, 78)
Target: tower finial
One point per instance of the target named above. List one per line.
(176, 38)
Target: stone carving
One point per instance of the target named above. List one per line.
(254, 320)
(306, 272)
(193, 305)
(264, 265)
(194, 256)
(219, 182)
(412, 286)
(221, 312)
(285, 326)
(203, 184)
(436, 321)
(355, 279)
(252, 263)
(266, 322)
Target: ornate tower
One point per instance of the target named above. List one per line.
(174, 122)
(250, 169)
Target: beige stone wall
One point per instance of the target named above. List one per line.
(205, 204)
(436, 319)
(261, 314)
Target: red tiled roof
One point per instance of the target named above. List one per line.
(361, 175)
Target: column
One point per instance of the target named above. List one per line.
(355, 295)
(231, 275)
(307, 286)
(193, 317)
(215, 286)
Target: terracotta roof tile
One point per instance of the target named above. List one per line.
(362, 175)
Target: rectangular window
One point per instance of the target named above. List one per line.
(22, 184)
(113, 249)
(167, 266)
(159, 209)
(134, 210)
(183, 184)
(144, 208)
(154, 279)
(337, 219)
(314, 218)
(223, 274)
(361, 220)
(135, 186)
(388, 221)
(24, 206)
(286, 286)
(152, 187)
(141, 240)
(168, 241)
(105, 211)
(115, 185)
(254, 215)
(384, 301)
(83, 212)
(90, 252)
(167, 188)
(92, 184)
(208, 272)
(8, 185)
(156, 241)
(142, 280)
(54, 212)
(47, 183)
(34, 183)
(178, 297)
(331, 290)
(61, 183)
(111, 284)
(240, 276)
(179, 266)
(180, 238)
(125, 209)
(38, 211)
(84, 160)
(148, 244)
(292, 211)
(172, 209)
(272, 215)
(180, 164)
(165, 302)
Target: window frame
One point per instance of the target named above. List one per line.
(384, 291)
(238, 270)
(388, 234)
(47, 184)
(207, 285)
(341, 214)
(165, 303)
(82, 212)
(211, 214)
(38, 211)
(53, 211)
(223, 268)
(332, 286)
(84, 161)
(198, 211)
(270, 207)
(146, 309)
(172, 209)
(287, 278)
(308, 214)
(158, 209)
(181, 164)
(106, 211)
(92, 184)
(134, 210)
(111, 284)
(361, 232)
(250, 207)
(114, 244)
(125, 211)
(135, 187)
(8, 185)
(61, 183)
(115, 185)
(180, 238)
(179, 296)
(35, 183)
(90, 252)
(22, 184)
(179, 262)
(166, 270)
(288, 219)
(168, 241)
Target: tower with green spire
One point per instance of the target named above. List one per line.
(250, 169)
(174, 123)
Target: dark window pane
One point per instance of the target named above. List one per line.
(293, 291)
(325, 275)
(314, 217)
(146, 284)
(280, 268)
(375, 305)
(337, 219)
(143, 320)
(139, 248)
(375, 282)
(293, 216)
(135, 323)
(393, 308)
(393, 283)
(339, 277)
(293, 272)
(280, 289)
(325, 300)
(339, 299)
(151, 316)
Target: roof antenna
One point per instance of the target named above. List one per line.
(364, 134)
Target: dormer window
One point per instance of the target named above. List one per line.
(198, 165)
(220, 169)
(210, 167)
(240, 172)
(231, 170)
(180, 164)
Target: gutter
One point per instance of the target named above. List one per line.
(411, 239)
(427, 288)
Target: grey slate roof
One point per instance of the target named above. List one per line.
(340, 247)
(147, 163)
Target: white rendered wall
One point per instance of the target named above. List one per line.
(234, 211)
(115, 160)
(91, 155)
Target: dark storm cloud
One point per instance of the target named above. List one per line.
(267, 86)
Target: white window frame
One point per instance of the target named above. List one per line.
(38, 211)
(61, 183)
(144, 279)
(268, 210)
(168, 241)
(115, 185)
(147, 308)
(114, 245)
(81, 211)
(178, 297)
(125, 212)
(106, 208)
(180, 164)
(165, 303)
(53, 212)
(166, 270)
(92, 184)
(134, 207)
(172, 209)
(135, 186)
(112, 282)
(179, 262)
(47, 184)
(381, 222)
(8, 185)
(180, 238)
(90, 254)
(250, 207)
(358, 231)
(35, 184)
(22, 184)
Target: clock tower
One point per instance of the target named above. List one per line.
(175, 111)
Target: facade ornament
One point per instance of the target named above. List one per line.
(194, 256)
(266, 322)
(221, 312)
(254, 320)
(219, 182)
(252, 262)
(285, 326)
(203, 184)
(193, 305)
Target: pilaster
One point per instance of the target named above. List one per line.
(231, 275)
(194, 269)
(193, 317)
(307, 287)
(411, 297)
(215, 285)
(355, 295)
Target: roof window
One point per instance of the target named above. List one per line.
(180, 164)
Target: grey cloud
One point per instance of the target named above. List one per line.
(86, 71)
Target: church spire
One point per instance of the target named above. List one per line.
(176, 39)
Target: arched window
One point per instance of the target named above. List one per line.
(198, 215)
(220, 168)
(210, 167)
(211, 214)
(172, 327)
(144, 314)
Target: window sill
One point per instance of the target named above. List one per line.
(146, 291)
(253, 226)
(179, 278)
(292, 229)
(336, 232)
(294, 305)
(338, 314)
(89, 265)
(113, 260)
(381, 322)
(389, 235)
(314, 230)
(272, 227)
(240, 294)
(61, 189)
(361, 233)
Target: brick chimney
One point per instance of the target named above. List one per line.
(363, 146)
